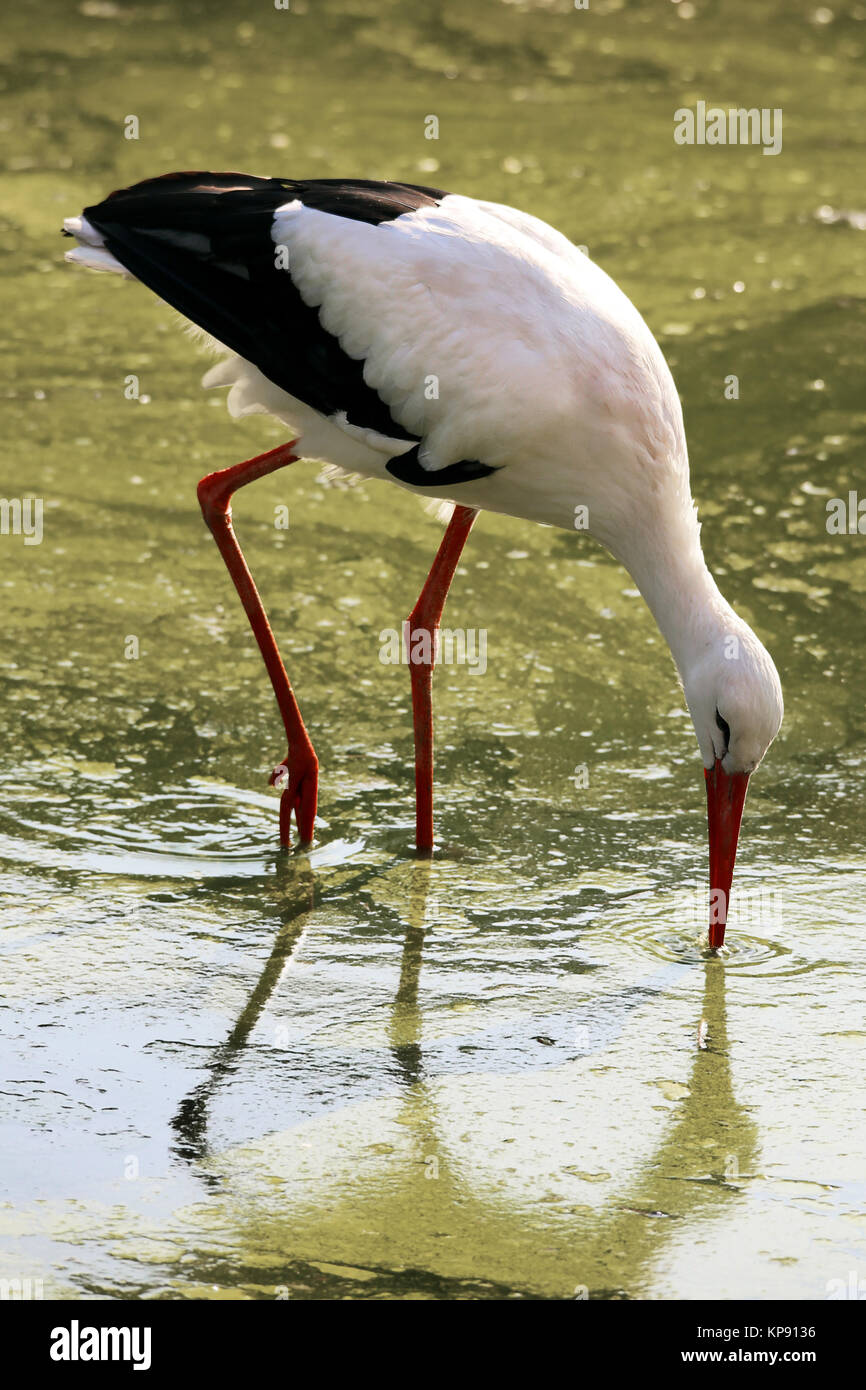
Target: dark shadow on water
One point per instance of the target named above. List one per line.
(695, 1170)
(692, 1175)
(190, 1123)
(299, 893)
(404, 1032)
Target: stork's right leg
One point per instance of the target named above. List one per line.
(424, 619)
(299, 771)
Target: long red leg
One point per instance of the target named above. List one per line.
(300, 765)
(425, 616)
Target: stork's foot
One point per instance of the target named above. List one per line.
(298, 780)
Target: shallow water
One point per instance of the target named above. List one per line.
(511, 1071)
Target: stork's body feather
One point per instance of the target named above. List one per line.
(468, 345)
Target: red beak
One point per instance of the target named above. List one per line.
(726, 794)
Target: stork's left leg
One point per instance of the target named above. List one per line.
(299, 771)
(425, 617)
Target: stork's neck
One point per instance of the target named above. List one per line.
(672, 575)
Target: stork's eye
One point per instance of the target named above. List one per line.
(725, 728)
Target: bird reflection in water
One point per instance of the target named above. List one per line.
(692, 1175)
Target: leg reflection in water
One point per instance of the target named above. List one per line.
(191, 1121)
(299, 895)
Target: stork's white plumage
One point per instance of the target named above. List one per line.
(463, 348)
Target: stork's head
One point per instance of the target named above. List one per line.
(735, 699)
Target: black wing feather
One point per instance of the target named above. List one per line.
(202, 242)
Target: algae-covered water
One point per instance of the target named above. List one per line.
(511, 1071)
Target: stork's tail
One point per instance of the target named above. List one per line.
(90, 250)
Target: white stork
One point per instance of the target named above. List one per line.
(339, 301)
